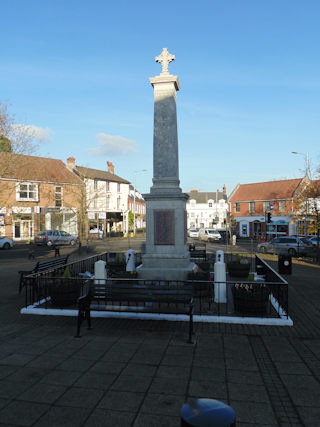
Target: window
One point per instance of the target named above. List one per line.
(266, 206)
(118, 202)
(237, 207)
(251, 207)
(27, 191)
(210, 205)
(58, 197)
(119, 188)
(95, 185)
(108, 202)
(282, 205)
(107, 186)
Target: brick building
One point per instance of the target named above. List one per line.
(249, 205)
(36, 194)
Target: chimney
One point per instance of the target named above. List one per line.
(110, 167)
(224, 189)
(193, 191)
(71, 163)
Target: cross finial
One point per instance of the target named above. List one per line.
(165, 58)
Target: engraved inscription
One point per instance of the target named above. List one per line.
(164, 227)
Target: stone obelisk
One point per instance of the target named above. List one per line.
(167, 256)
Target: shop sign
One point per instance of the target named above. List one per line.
(53, 210)
(36, 209)
(21, 210)
(2, 219)
(102, 215)
(3, 210)
(91, 215)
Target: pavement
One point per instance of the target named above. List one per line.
(140, 373)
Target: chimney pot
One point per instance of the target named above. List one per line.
(71, 163)
(110, 167)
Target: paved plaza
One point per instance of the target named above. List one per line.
(139, 373)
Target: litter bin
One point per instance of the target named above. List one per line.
(284, 263)
(207, 413)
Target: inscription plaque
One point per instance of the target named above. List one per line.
(164, 227)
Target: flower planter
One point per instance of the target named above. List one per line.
(64, 293)
(250, 299)
(236, 269)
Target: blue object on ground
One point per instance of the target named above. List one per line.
(207, 413)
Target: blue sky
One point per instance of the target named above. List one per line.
(249, 74)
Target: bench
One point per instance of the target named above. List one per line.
(42, 266)
(134, 296)
(198, 250)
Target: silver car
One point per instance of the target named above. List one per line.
(292, 245)
(55, 237)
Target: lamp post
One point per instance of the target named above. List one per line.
(307, 161)
(134, 198)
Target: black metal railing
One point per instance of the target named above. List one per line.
(241, 297)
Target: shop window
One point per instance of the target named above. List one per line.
(252, 207)
(27, 192)
(58, 197)
(237, 207)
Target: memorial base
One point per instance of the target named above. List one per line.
(164, 273)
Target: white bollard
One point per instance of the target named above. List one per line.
(220, 289)
(100, 272)
(130, 260)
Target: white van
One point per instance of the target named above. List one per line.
(209, 235)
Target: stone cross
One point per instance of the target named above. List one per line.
(165, 58)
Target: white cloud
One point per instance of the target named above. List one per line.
(109, 145)
(34, 132)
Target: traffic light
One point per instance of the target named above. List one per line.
(269, 217)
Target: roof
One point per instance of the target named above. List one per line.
(204, 197)
(32, 168)
(271, 190)
(101, 175)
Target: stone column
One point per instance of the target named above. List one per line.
(167, 256)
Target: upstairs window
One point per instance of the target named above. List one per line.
(282, 205)
(252, 207)
(108, 202)
(210, 204)
(95, 185)
(118, 202)
(58, 197)
(119, 188)
(27, 192)
(266, 206)
(107, 186)
(237, 207)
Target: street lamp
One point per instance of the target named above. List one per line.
(307, 161)
(134, 198)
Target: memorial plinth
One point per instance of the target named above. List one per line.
(167, 256)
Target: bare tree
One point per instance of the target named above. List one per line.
(15, 137)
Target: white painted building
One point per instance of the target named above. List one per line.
(207, 209)
(106, 198)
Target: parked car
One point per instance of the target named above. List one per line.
(5, 243)
(209, 234)
(293, 245)
(314, 240)
(55, 237)
(193, 232)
